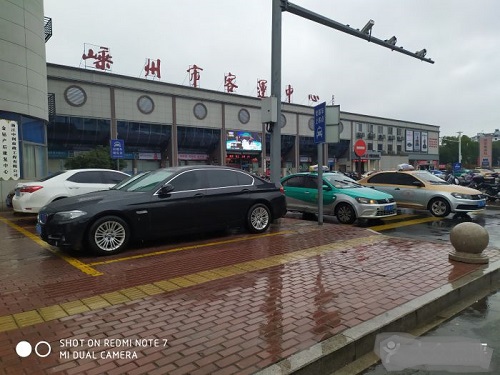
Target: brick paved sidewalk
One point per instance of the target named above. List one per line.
(252, 310)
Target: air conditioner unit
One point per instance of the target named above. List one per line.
(360, 135)
(371, 135)
(381, 137)
(390, 138)
(400, 137)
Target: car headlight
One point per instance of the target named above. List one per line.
(69, 215)
(366, 200)
(461, 196)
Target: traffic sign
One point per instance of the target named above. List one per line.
(360, 147)
(319, 123)
(117, 148)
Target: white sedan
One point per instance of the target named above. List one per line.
(29, 197)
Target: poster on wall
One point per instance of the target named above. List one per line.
(243, 141)
(425, 142)
(416, 141)
(10, 150)
(409, 140)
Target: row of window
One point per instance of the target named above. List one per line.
(77, 97)
(370, 128)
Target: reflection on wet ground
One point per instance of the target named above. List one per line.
(480, 321)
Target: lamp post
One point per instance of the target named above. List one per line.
(460, 147)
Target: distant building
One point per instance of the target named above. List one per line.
(495, 136)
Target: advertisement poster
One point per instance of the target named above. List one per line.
(416, 141)
(243, 141)
(409, 140)
(425, 142)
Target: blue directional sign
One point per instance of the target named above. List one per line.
(457, 167)
(117, 148)
(319, 123)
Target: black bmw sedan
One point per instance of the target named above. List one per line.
(159, 203)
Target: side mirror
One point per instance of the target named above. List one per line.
(165, 189)
(326, 187)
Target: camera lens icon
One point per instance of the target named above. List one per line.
(24, 349)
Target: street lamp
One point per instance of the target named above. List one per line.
(459, 147)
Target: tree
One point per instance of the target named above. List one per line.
(448, 151)
(99, 157)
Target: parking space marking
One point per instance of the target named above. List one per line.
(379, 228)
(139, 292)
(161, 252)
(85, 268)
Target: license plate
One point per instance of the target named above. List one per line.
(38, 229)
(389, 208)
(481, 204)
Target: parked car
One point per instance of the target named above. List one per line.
(422, 190)
(29, 197)
(342, 197)
(159, 203)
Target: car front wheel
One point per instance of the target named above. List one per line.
(439, 207)
(108, 235)
(346, 214)
(258, 218)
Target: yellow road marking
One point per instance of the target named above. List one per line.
(405, 223)
(139, 292)
(85, 268)
(160, 252)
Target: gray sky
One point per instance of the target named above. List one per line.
(458, 93)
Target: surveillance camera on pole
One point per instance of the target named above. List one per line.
(367, 29)
(421, 53)
(393, 40)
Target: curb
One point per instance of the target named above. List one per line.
(339, 351)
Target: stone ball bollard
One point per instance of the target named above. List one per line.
(469, 240)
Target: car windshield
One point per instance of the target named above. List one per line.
(147, 181)
(341, 182)
(127, 181)
(429, 177)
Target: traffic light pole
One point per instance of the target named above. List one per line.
(279, 6)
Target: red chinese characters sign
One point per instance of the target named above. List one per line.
(152, 68)
(102, 58)
(261, 88)
(288, 93)
(229, 83)
(194, 75)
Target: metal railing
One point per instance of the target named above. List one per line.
(47, 25)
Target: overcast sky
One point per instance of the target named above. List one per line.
(459, 92)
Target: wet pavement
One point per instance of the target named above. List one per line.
(480, 321)
(222, 304)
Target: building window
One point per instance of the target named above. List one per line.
(243, 116)
(360, 127)
(370, 128)
(370, 146)
(380, 147)
(200, 111)
(380, 129)
(399, 131)
(145, 104)
(75, 96)
(283, 120)
(311, 124)
(390, 130)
